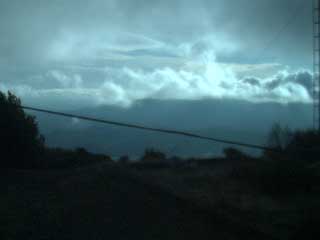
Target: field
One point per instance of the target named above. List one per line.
(99, 202)
(108, 201)
(245, 194)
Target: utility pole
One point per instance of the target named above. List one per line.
(316, 65)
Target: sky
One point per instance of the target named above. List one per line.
(77, 53)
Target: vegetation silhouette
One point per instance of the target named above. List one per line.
(59, 158)
(296, 167)
(234, 154)
(23, 147)
(124, 160)
(292, 169)
(21, 144)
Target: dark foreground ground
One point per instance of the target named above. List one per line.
(103, 202)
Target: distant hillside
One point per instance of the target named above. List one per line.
(238, 120)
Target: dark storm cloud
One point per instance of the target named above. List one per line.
(302, 78)
(252, 81)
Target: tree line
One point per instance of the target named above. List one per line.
(22, 145)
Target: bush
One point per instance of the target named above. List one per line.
(58, 158)
(124, 160)
(153, 156)
(296, 146)
(290, 167)
(305, 145)
(21, 145)
(234, 154)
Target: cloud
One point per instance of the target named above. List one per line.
(74, 29)
(284, 78)
(201, 78)
(117, 52)
(64, 80)
(285, 86)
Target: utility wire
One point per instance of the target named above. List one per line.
(176, 132)
(293, 16)
(145, 128)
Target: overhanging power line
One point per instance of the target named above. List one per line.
(182, 133)
(145, 128)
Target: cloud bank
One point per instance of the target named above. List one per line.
(200, 78)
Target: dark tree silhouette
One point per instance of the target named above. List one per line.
(279, 137)
(305, 145)
(21, 145)
(301, 146)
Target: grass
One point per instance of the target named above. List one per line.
(269, 198)
(226, 200)
(102, 202)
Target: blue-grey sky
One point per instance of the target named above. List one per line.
(82, 53)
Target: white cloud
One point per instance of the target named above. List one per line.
(123, 86)
(198, 75)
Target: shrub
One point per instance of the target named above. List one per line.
(289, 168)
(124, 160)
(58, 158)
(298, 147)
(234, 154)
(152, 155)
